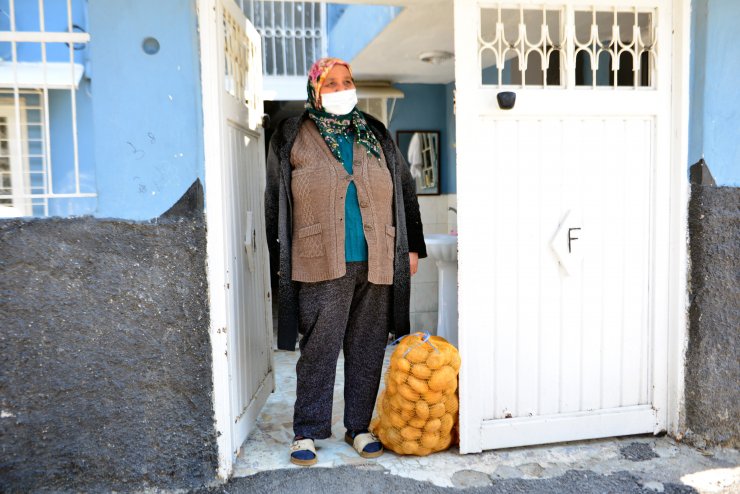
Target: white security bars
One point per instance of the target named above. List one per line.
(293, 34)
(531, 47)
(27, 179)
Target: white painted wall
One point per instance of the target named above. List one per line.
(436, 218)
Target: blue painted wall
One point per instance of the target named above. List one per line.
(352, 27)
(140, 139)
(429, 107)
(714, 131)
(146, 108)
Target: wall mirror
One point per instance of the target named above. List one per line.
(421, 149)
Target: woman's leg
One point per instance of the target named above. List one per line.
(323, 313)
(364, 349)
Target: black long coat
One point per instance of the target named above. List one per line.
(278, 220)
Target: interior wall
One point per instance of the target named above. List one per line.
(430, 107)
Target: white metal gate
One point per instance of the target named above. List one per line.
(238, 263)
(561, 273)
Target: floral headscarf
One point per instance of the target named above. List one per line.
(330, 126)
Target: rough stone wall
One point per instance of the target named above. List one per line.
(105, 381)
(713, 354)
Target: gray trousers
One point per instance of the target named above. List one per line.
(347, 313)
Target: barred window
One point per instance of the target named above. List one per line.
(293, 34)
(42, 54)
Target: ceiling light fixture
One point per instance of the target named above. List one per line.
(435, 57)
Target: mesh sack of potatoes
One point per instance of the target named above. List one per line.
(417, 409)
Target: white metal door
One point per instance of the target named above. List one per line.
(241, 316)
(560, 202)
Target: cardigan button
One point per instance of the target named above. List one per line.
(348, 178)
(368, 227)
(364, 204)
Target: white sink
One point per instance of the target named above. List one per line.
(443, 249)
(441, 246)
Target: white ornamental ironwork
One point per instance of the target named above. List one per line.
(544, 46)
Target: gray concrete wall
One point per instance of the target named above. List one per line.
(105, 381)
(713, 354)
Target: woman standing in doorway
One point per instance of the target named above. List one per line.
(341, 203)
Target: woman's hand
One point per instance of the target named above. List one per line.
(413, 262)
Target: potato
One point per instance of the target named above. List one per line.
(444, 442)
(447, 422)
(403, 365)
(410, 433)
(394, 402)
(433, 397)
(418, 354)
(422, 409)
(396, 420)
(385, 421)
(421, 371)
(433, 425)
(417, 384)
(393, 437)
(409, 447)
(435, 360)
(441, 378)
(452, 388)
(405, 404)
(417, 423)
(399, 377)
(429, 439)
(437, 410)
(451, 404)
(422, 451)
(407, 393)
(455, 361)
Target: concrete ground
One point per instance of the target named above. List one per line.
(626, 464)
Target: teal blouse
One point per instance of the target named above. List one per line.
(355, 245)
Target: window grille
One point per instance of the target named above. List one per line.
(293, 34)
(43, 66)
(552, 47)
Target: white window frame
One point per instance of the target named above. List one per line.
(20, 180)
(17, 77)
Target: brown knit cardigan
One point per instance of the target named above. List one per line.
(319, 185)
(409, 235)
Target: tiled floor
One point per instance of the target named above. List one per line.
(267, 449)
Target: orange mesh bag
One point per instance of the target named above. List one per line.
(417, 411)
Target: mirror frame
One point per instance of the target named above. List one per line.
(404, 150)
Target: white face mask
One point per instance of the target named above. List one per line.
(340, 102)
